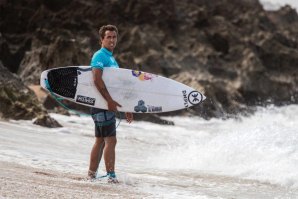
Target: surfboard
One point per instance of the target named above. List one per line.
(136, 91)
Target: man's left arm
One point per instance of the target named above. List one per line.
(129, 117)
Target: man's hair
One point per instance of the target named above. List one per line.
(103, 29)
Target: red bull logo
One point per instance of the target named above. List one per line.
(142, 76)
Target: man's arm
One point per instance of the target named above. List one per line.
(129, 117)
(101, 87)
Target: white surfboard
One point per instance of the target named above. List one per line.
(136, 91)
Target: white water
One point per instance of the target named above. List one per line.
(255, 157)
(276, 4)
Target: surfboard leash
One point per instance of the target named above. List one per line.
(59, 99)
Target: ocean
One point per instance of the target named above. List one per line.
(248, 157)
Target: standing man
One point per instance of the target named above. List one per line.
(105, 122)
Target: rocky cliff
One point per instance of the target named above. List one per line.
(236, 52)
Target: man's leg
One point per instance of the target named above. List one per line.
(109, 153)
(95, 156)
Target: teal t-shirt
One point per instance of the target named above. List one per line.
(103, 58)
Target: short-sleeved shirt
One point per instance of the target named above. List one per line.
(101, 59)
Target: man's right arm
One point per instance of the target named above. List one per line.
(101, 87)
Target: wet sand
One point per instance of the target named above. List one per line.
(17, 181)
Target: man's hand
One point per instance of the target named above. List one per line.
(112, 105)
(129, 117)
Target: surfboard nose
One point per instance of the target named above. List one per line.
(203, 97)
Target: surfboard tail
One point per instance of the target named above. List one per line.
(43, 78)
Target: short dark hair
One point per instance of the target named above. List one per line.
(103, 29)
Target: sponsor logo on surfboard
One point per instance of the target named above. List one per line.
(85, 100)
(142, 108)
(185, 98)
(195, 97)
(154, 108)
(142, 76)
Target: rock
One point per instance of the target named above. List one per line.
(12, 54)
(234, 51)
(46, 121)
(17, 101)
(63, 50)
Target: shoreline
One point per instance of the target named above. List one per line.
(18, 181)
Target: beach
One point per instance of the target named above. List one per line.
(18, 181)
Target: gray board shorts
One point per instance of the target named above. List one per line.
(105, 122)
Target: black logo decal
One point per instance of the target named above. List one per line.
(154, 108)
(85, 100)
(185, 98)
(141, 107)
(195, 97)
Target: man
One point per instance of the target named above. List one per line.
(105, 123)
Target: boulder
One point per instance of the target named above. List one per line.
(17, 101)
(47, 121)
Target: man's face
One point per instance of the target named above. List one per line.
(110, 40)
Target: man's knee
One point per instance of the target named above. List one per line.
(98, 140)
(111, 141)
